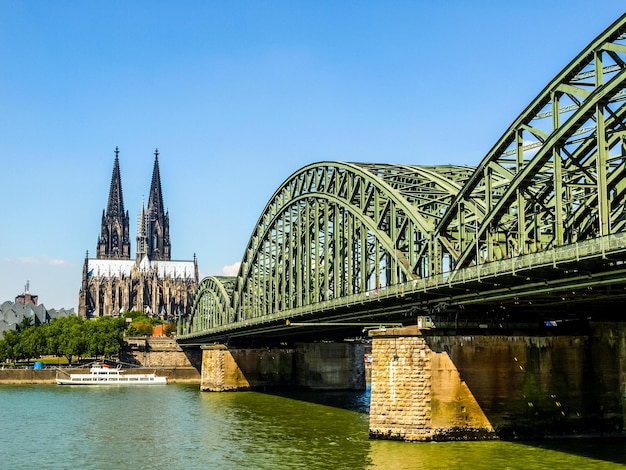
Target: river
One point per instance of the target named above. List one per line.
(178, 427)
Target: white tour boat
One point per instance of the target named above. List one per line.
(105, 375)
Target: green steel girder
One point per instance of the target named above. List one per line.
(211, 305)
(335, 229)
(332, 230)
(566, 172)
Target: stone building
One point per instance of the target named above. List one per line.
(113, 283)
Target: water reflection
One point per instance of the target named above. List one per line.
(179, 427)
(570, 452)
(279, 432)
(490, 455)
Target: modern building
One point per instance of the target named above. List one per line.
(26, 305)
(113, 283)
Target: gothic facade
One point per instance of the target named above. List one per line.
(113, 283)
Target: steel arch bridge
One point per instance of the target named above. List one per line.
(341, 241)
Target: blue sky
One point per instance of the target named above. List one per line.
(237, 96)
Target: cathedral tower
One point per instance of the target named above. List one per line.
(114, 240)
(156, 219)
(152, 283)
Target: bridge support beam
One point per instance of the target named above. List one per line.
(319, 366)
(432, 386)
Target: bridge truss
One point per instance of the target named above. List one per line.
(335, 232)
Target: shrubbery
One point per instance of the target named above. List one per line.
(142, 324)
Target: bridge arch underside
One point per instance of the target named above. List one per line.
(536, 231)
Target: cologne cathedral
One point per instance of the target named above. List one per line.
(113, 283)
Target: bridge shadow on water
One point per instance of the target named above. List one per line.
(351, 400)
(603, 448)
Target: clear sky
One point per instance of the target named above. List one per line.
(237, 96)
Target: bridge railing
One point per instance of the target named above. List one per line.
(609, 244)
(555, 257)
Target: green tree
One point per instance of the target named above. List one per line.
(112, 333)
(6, 344)
(67, 337)
(4, 351)
(10, 345)
(33, 341)
(105, 336)
(134, 314)
(26, 322)
(53, 337)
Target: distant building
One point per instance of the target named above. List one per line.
(27, 296)
(113, 283)
(26, 306)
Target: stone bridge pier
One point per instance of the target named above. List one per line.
(429, 385)
(320, 366)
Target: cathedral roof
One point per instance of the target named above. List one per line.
(117, 268)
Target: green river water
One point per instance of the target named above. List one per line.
(178, 427)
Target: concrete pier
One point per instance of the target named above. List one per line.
(318, 366)
(429, 385)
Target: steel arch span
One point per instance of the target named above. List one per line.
(564, 157)
(211, 304)
(332, 230)
(337, 230)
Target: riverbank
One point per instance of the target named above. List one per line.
(184, 375)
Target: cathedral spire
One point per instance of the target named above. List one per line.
(114, 239)
(142, 232)
(155, 200)
(158, 221)
(115, 205)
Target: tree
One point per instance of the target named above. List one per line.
(67, 337)
(112, 334)
(33, 341)
(10, 346)
(104, 336)
(53, 338)
(133, 314)
(26, 322)
(7, 343)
